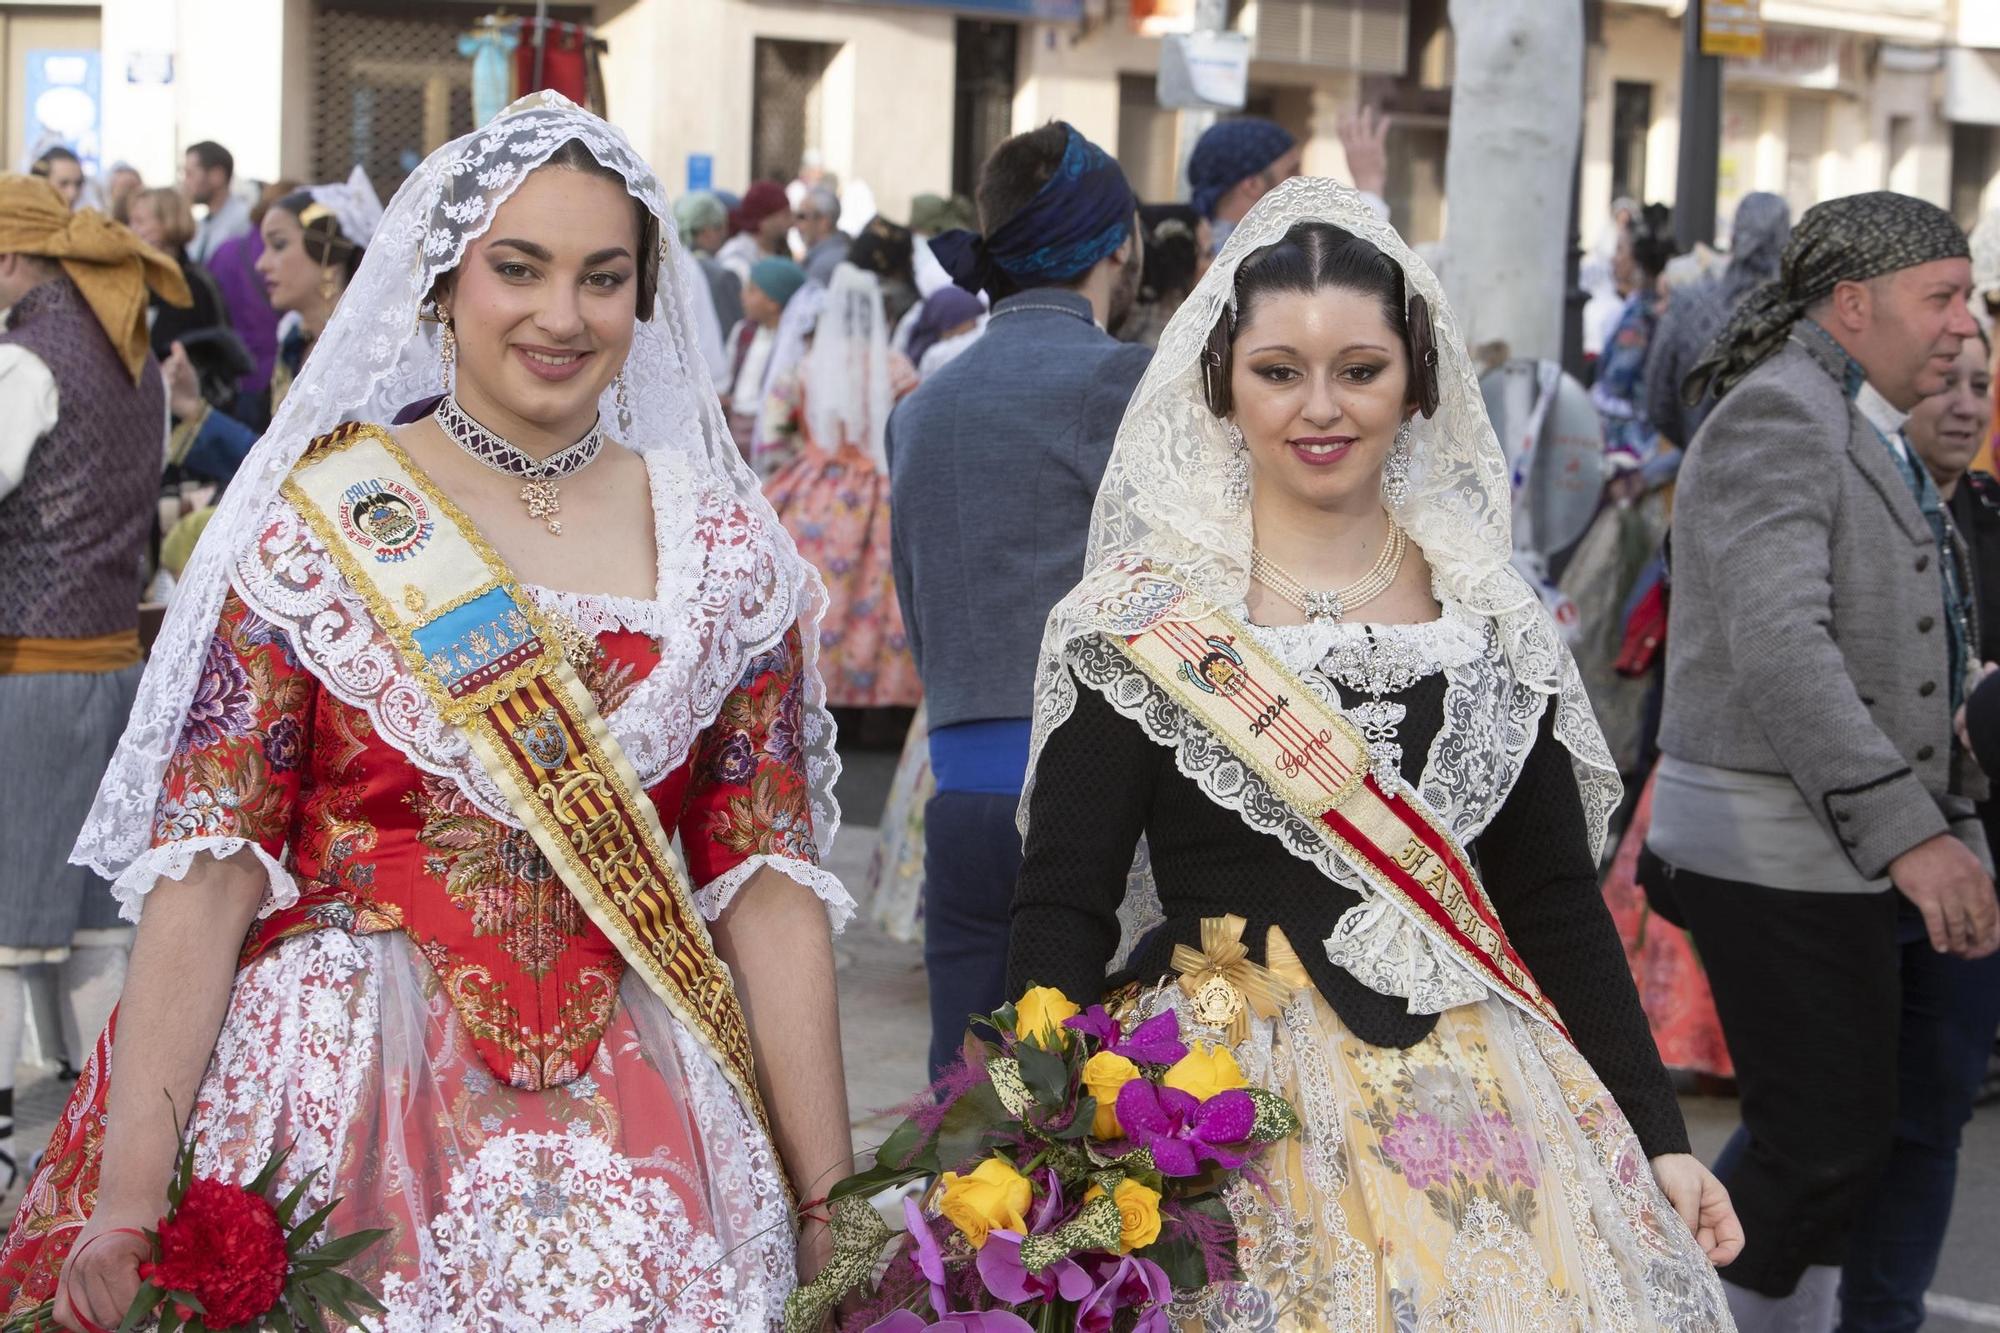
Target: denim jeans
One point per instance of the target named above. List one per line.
(1951, 1009)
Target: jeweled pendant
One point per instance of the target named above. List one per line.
(543, 503)
(1324, 606)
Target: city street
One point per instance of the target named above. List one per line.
(885, 1025)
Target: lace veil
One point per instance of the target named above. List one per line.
(1161, 510)
(847, 370)
(376, 357)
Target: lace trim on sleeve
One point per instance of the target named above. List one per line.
(172, 860)
(712, 897)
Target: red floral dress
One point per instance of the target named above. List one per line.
(424, 1014)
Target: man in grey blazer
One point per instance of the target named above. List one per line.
(1812, 817)
(993, 465)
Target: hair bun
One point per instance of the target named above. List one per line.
(1423, 355)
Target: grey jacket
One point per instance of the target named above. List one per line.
(994, 464)
(1806, 634)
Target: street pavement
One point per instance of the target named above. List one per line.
(885, 1030)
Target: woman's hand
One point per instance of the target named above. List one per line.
(101, 1276)
(1702, 1203)
(184, 398)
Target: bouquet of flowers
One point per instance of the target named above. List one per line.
(228, 1256)
(1077, 1165)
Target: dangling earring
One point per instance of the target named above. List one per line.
(448, 351)
(1236, 472)
(1396, 469)
(328, 288)
(624, 409)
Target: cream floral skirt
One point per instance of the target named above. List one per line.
(1482, 1179)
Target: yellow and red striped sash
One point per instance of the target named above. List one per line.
(1317, 762)
(480, 648)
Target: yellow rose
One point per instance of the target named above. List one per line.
(1103, 1074)
(1204, 1071)
(1040, 1013)
(994, 1195)
(1138, 1213)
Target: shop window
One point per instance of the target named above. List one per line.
(1631, 120)
(982, 98)
(390, 85)
(787, 112)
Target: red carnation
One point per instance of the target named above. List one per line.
(225, 1247)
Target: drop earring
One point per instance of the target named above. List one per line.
(448, 351)
(624, 409)
(1396, 469)
(1236, 471)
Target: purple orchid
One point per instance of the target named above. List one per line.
(1157, 1041)
(1127, 1283)
(929, 1254)
(1182, 1132)
(1001, 1269)
(977, 1321)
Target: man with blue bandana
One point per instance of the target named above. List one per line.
(994, 464)
(1237, 162)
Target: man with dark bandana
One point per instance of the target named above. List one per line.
(1813, 816)
(994, 464)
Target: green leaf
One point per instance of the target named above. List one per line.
(290, 1203)
(905, 1141)
(1080, 1123)
(309, 1314)
(967, 1127)
(346, 1247)
(1045, 1073)
(270, 1172)
(170, 1320)
(144, 1301)
(1180, 1259)
(876, 1179)
(297, 1240)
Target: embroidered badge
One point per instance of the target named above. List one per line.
(1217, 671)
(542, 737)
(386, 519)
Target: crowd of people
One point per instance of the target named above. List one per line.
(1172, 543)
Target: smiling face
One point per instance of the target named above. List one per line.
(545, 303)
(1947, 428)
(1320, 383)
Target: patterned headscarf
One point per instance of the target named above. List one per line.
(1843, 240)
(113, 268)
(1081, 214)
(1232, 151)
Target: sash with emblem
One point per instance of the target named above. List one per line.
(1317, 762)
(490, 663)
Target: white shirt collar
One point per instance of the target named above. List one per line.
(1883, 414)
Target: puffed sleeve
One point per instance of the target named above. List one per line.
(1094, 786)
(749, 795)
(233, 778)
(1535, 859)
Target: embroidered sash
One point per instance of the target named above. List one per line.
(483, 653)
(1317, 762)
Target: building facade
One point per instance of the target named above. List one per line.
(908, 96)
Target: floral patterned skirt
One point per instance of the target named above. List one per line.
(643, 1196)
(1482, 1180)
(894, 887)
(836, 506)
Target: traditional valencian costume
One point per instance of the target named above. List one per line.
(1375, 855)
(480, 999)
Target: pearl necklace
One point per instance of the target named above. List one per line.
(1335, 604)
(540, 475)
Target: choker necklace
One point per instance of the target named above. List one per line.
(539, 492)
(1335, 604)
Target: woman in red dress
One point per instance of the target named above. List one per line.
(354, 941)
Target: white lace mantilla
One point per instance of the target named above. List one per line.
(1488, 727)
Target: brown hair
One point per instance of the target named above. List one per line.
(1313, 256)
(176, 218)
